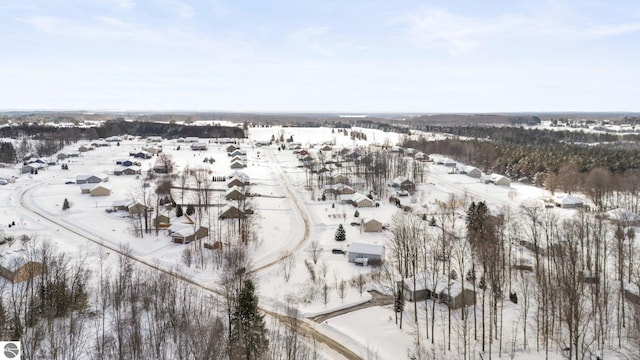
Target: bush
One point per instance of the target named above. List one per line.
(513, 297)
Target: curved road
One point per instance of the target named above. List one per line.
(307, 329)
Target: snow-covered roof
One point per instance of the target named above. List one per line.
(355, 197)
(621, 214)
(118, 203)
(233, 189)
(567, 199)
(366, 248)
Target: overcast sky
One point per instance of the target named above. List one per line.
(322, 55)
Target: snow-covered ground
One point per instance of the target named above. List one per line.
(285, 211)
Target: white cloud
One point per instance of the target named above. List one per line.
(180, 8)
(124, 4)
(439, 28)
(309, 38)
(321, 41)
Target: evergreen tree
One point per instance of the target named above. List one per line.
(65, 204)
(340, 233)
(191, 210)
(356, 214)
(179, 211)
(248, 337)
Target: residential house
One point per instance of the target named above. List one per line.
(623, 216)
(141, 154)
(497, 179)
(91, 179)
(403, 183)
(238, 158)
(230, 211)
(237, 165)
(230, 148)
(370, 225)
(339, 189)
(32, 168)
(152, 150)
(154, 138)
(198, 146)
(357, 200)
(235, 181)
(121, 205)
(241, 175)
(237, 152)
(439, 287)
(127, 170)
(100, 190)
(162, 221)
(568, 202)
(136, 209)
(188, 234)
(337, 178)
(358, 251)
(471, 171)
(234, 193)
(446, 162)
(18, 269)
(421, 156)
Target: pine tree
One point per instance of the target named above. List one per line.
(356, 214)
(65, 204)
(340, 233)
(190, 210)
(179, 211)
(248, 338)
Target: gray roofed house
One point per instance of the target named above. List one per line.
(360, 250)
(91, 179)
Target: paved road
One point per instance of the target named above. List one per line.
(377, 299)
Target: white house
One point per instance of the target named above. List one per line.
(497, 179)
(568, 202)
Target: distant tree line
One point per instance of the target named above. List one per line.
(168, 130)
(531, 162)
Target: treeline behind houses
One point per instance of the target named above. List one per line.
(47, 140)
